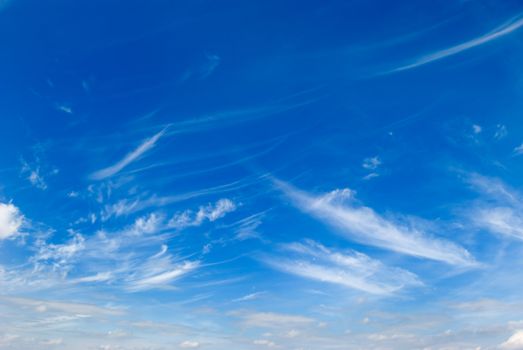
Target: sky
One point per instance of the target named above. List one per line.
(303, 175)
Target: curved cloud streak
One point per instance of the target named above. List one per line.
(128, 159)
(504, 29)
(364, 225)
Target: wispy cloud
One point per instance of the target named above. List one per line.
(11, 220)
(273, 320)
(364, 225)
(249, 297)
(126, 206)
(371, 163)
(34, 174)
(211, 212)
(64, 108)
(112, 170)
(41, 305)
(350, 269)
(500, 209)
(501, 131)
(506, 28)
(158, 280)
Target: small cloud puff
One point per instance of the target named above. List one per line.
(188, 344)
(11, 220)
(371, 163)
(501, 132)
(476, 128)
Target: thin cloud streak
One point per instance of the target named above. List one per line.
(129, 158)
(506, 28)
(352, 269)
(364, 225)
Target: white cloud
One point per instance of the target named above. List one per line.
(73, 194)
(247, 228)
(274, 320)
(64, 108)
(157, 271)
(370, 176)
(128, 159)
(249, 297)
(60, 254)
(515, 342)
(476, 128)
(211, 212)
(264, 342)
(41, 305)
(500, 211)
(55, 341)
(504, 29)
(146, 225)
(501, 132)
(519, 149)
(99, 277)
(503, 220)
(352, 269)
(363, 224)
(33, 175)
(121, 208)
(371, 163)
(188, 344)
(164, 278)
(11, 220)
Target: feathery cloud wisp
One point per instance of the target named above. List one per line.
(504, 29)
(500, 212)
(364, 225)
(354, 270)
(128, 159)
(164, 278)
(209, 213)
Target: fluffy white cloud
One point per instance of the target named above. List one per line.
(515, 342)
(11, 220)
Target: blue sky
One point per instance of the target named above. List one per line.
(306, 175)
